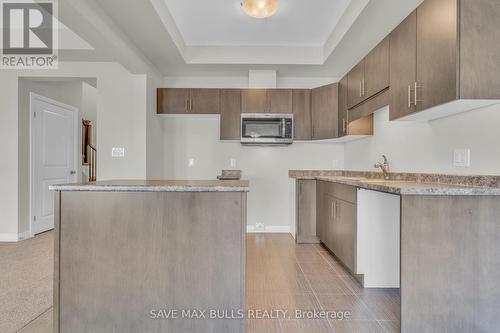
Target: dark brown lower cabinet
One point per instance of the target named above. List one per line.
(305, 211)
(337, 220)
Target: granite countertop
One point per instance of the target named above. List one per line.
(407, 183)
(157, 186)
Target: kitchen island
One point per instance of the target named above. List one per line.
(150, 256)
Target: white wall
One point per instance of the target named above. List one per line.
(121, 115)
(89, 107)
(428, 147)
(8, 154)
(265, 167)
(154, 132)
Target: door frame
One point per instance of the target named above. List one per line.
(33, 96)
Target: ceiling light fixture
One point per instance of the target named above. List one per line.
(260, 8)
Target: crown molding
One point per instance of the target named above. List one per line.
(259, 55)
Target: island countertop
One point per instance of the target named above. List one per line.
(166, 185)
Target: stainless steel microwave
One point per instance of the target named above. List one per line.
(266, 128)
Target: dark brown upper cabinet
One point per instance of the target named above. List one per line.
(172, 101)
(377, 69)
(254, 100)
(355, 84)
(279, 100)
(266, 100)
(343, 116)
(230, 114)
(403, 66)
(188, 101)
(205, 101)
(301, 106)
(325, 112)
(445, 54)
(370, 76)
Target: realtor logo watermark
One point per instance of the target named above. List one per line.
(29, 34)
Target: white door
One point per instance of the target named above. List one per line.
(54, 144)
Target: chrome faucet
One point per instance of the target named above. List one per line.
(384, 166)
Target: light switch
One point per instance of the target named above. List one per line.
(191, 162)
(335, 164)
(232, 161)
(461, 157)
(117, 152)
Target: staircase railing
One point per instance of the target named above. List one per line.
(92, 163)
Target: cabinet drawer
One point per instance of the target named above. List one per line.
(340, 191)
(345, 192)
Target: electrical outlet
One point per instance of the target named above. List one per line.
(117, 152)
(461, 157)
(191, 162)
(232, 162)
(260, 226)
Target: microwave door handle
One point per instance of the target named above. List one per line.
(283, 128)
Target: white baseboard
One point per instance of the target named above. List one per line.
(24, 235)
(13, 237)
(269, 229)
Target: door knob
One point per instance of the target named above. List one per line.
(72, 172)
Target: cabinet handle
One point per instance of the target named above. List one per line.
(334, 209)
(360, 91)
(186, 105)
(417, 100)
(190, 105)
(409, 96)
(363, 87)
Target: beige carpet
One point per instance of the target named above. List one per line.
(26, 278)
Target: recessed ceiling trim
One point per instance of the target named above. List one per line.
(166, 17)
(346, 21)
(258, 55)
(286, 55)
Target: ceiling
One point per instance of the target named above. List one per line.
(223, 23)
(214, 38)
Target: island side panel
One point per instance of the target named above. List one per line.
(450, 264)
(57, 233)
(123, 254)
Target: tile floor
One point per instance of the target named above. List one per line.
(286, 276)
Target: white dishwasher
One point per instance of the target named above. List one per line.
(378, 239)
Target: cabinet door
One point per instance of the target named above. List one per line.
(254, 101)
(332, 225)
(403, 67)
(204, 101)
(230, 114)
(346, 213)
(377, 69)
(355, 85)
(306, 211)
(322, 210)
(301, 106)
(437, 39)
(343, 120)
(325, 112)
(279, 100)
(172, 101)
